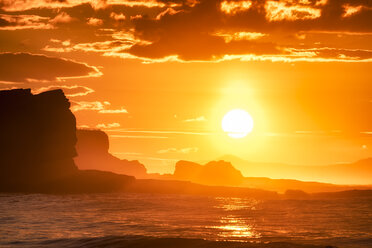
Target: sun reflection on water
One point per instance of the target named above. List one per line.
(232, 226)
(234, 203)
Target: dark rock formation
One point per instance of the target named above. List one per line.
(37, 146)
(212, 173)
(92, 148)
(295, 194)
(37, 135)
(186, 170)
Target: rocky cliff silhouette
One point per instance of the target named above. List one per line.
(212, 173)
(92, 148)
(37, 146)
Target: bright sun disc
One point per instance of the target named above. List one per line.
(237, 123)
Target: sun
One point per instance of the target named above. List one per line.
(237, 123)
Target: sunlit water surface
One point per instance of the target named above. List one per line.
(26, 219)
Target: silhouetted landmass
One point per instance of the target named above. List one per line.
(224, 174)
(281, 185)
(37, 146)
(189, 188)
(359, 172)
(347, 194)
(92, 148)
(344, 194)
(190, 177)
(212, 173)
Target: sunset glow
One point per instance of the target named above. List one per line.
(186, 123)
(159, 76)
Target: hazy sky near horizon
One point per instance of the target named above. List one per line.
(158, 76)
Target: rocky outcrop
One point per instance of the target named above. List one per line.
(212, 173)
(37, 136)
(93, 153)
(37, 146)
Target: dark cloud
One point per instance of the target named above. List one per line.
(189, 34)
(15, 22)
(69, 90)
(205, 30)
(200, 47)
(26, 67)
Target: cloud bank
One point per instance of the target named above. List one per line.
(204, 30)
(27, 67)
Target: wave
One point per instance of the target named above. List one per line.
(154, 242)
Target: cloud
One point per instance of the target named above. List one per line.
(62, 18)
(197, 119)
(69, 90)
(236, 36)
(107, 126)
(137, 136)
(117, 17)
(350, 10)
(332, 53)
(298, 57)
(99, 47)
(156, 31)
(181, 150)
(121, 41)
(168, 11)
(101, 126)
(16, 22)
(367, 133)
(113, 111)
(98, 106)
(22, 5)
(161, 132)
(136, 17)
(286, 10)
(233, 7)
(142, 3)
(27, 67)
(245, 30)
(94, 21)
(84, 105)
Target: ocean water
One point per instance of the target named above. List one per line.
(113, 220)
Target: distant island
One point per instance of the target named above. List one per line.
(43, 152)
(92, 147)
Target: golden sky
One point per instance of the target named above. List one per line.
(158, 76)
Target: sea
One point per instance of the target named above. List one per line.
(160, 220)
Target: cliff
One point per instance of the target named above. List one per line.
(37, 146)
(92, 148)
(212, 173)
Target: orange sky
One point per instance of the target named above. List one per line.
(158, 76)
